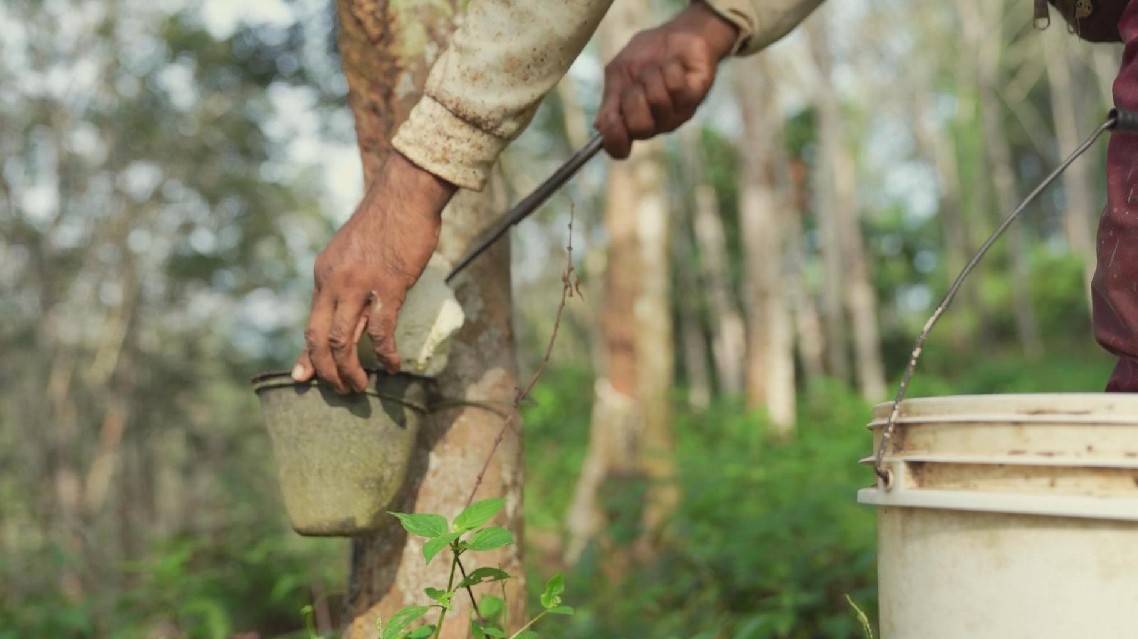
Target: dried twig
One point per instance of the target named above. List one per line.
(570, 286)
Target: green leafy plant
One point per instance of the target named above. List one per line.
(862, 618)
(310, 623)
(467, 533)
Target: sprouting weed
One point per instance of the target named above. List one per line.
(861, 617)
(467, 533)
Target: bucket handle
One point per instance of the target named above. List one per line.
(1116, 119)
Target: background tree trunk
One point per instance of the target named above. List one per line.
(988, 17)
(838, 212)
(630, 439)
(1079, 213)
(935, 142)
(728, 330)
(764, 205)
(381, 62)
(689, 309)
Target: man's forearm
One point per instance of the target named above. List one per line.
(485, 88)
(507, 54)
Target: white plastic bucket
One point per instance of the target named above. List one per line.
(1009, 516)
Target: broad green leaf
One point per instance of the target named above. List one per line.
(491, 606)
(402, 619)
(438, 595)
(478, 513)
(554, 588)
(490, 538)
(487, 630)
(483, 575)
(422, 524)
(422, 632)
(435, 545)
(561, 610)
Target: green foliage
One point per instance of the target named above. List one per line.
(862, 618)
(397, 625)
(429, 526)
(551, 597)
(766, 542)
(482, 575)
(202, 586)
(478, 514)
(490, 538)
(435, 545)
(466, 533)
(557, 433)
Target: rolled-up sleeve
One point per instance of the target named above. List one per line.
(761, 23)
(507, 54)
(483, 91)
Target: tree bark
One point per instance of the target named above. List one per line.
(938, 144)
(620, 414)
(828, 223)
(689, 308)
(1000, 162)
(631, 410)
(1080, 215)
(386, 59)
(839, 213)
(728, 328)
(807, 322)
(764, 206)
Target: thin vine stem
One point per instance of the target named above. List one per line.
(570, 285)
(450, 589)
(529, 623)
(469, 591)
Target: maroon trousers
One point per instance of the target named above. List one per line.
(1114, 290)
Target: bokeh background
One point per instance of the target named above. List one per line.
(169, 169)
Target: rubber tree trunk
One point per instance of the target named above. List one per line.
(828, 223)
(839, 210)
(385, 55)
(1001, 164)
(1080, 215)
(935, 142)
(630, 438)
(807, 321)
(764, 207)
(618, 437)
(728, 328)
(689, 314)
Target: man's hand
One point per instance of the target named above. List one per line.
(363, 275)
(656, 82)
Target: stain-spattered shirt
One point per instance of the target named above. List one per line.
(506, 54)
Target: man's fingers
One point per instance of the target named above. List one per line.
(616, 80)
(659, 99)
(381, 330)
(611, 127)
(316, 339)
(636, 113)
(342, 340)
(609, 123)
(676, 81)
(303, 371)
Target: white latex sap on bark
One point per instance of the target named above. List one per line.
(429, 319)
